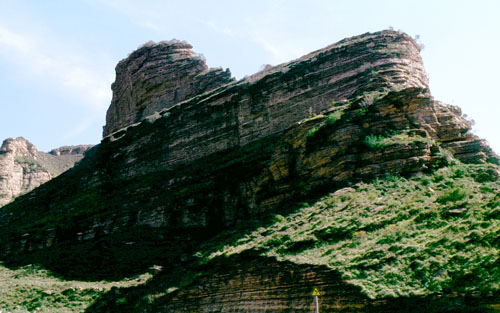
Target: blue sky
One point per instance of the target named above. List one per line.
(57, 58)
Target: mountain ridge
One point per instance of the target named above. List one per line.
(158, 188)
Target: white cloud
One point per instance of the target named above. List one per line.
(16, 42)
(45, 58)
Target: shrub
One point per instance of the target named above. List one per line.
(375, 142)
(483, 175)
(25, 160)
(452, 196)
(332, 118)
(311, 132)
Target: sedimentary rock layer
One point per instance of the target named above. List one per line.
(246, 149)
(157, 76)
(258, 284)
(269, 102)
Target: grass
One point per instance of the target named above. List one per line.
(394, 236)
(335, 116)
(407, 138)
(26, 160)
(312, 132)
(32, 289)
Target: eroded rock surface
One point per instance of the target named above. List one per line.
(258, 284)
(157, 76)
(23, 167)
(71, 150)
(244, 150)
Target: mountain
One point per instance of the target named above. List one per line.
(337, 171)
(23, 167)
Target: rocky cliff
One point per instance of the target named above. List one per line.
(256, 145)
(256, 284)
(23, 167)
(70, 150)
(157, 76)
(216, 158)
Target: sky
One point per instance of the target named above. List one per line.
(57, 57)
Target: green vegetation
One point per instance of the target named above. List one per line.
(25, 160)
(395, 236)
(317, 134)
(379, 142)
(311, 132)
(333, 117)
(32, 289)
(368, 98)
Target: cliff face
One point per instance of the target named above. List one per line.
(254, 146)
(264, 285)
(157, 76)
(165, 74)
(23, 167)
(257, 284)
(154, 189)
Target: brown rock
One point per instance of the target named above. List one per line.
(158, 76)
(71, 150)
(23, 167)
(245, 283)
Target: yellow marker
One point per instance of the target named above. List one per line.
(316, 294)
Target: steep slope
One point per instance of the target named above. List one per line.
(23, 167)
(429, 243)
(160, 190)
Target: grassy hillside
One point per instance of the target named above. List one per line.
(32, 289)
(432, 233)
(395, 236)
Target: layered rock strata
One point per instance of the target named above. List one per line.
(157, 76)
(23, 167)
(245, 150)
(257, 284)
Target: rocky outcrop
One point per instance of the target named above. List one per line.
(352, 111)
(157, 76)
(258, 284)
(71, 150)
(23, 167)
(19, 172)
